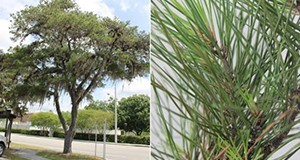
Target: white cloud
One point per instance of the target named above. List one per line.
(124, 5)
(5, 41)
(124, 89)
(96, 6)
(138, 85)
(7, 8)
(11, 6)
(147, 8)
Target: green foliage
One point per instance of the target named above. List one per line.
(52, 155)
(108, 105)
(86, 122)
(134, 114)
(134, 139)
(45, 120)
(28, 132)
(72, 52)
(225, 78)
(109, 138)
(67, 117)
(12, 95)
(88, 119)
(76, 48)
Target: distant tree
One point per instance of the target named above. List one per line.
(108, 105)
(88, 119)
(134, 114)
(67, 117)
(73, 52)
(45, 121)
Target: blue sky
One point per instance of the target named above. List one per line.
(137, 11)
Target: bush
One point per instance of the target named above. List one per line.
(134, 139)
(28, 132)
(109, 138)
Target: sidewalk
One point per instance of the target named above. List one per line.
(28, 154)
(24, 153)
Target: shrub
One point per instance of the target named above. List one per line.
(28, 132)
(134, 139)
(109, 138)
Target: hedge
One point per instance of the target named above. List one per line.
(88, 136)
(109, 138)
(28, 132)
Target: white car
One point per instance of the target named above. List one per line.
(3, 144)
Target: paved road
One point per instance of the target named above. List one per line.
(113, 151)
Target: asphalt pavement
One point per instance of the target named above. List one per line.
(113, 151)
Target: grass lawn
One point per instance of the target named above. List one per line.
(59, 156)
(49, 154)
(9, 155)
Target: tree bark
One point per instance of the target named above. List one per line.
(69, 131)
(57, 106)
(76, 95)
(69, 136)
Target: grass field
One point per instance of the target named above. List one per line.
(49, 154)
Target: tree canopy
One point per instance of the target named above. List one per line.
(45, 121)
(108, 105)
(134, 114)
(13, 95)
(89, 119)
(73, 52)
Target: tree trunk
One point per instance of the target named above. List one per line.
(69, 136)
(76, 94)
(69, 131)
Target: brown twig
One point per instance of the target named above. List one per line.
(281, 116)
(221, 153)
(203, 136)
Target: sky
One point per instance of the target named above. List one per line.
(136, 11)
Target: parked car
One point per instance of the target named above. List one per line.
(3, 144)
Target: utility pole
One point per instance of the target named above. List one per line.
(104, 139)
(96, 141)
(116, 115)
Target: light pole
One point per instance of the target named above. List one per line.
(104, 140)
(116, 115)
(96, 141)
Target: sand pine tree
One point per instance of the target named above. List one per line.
(225, 78)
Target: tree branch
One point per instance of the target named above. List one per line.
(295, 97)
(92, 83)
(269, 127)
(57, 105)
(86, 77)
